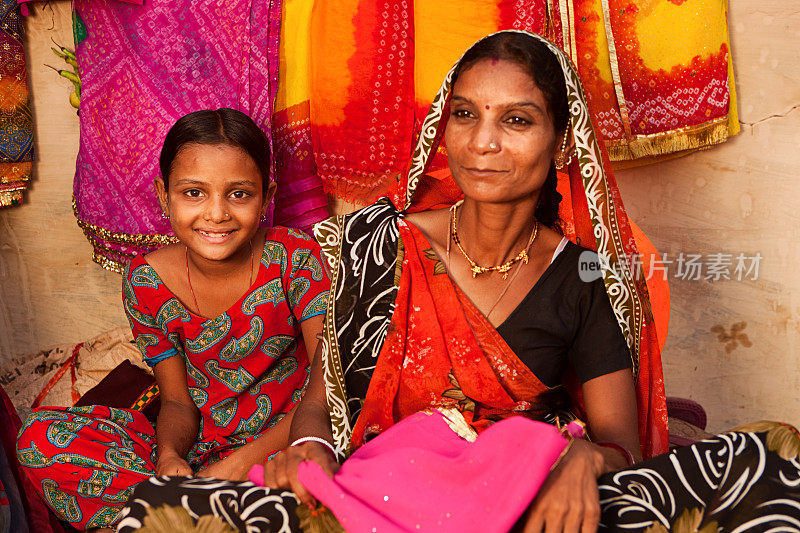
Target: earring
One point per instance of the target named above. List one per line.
(563, 158)
(164, 215)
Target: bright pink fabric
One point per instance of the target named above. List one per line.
(419, 475)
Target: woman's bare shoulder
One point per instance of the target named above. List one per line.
(434, 224)
(550, 238)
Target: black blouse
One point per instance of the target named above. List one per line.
(566, 322)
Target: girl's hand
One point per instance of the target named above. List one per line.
(172, 465)
(569, 499)
(280, 472)
(229, 468)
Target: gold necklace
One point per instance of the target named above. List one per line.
(474, 267)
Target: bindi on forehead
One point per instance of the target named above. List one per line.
(488, 106)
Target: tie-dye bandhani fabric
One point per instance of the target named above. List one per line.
(16, 120)
(362, 74)
(658, 73)
(143, 67)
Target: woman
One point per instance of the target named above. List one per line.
(481, 307)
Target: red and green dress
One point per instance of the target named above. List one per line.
(246, 369)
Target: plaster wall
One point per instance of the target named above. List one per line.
(740, 197)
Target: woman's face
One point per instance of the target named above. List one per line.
(500, 137)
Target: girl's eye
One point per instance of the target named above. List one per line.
(193, 193)
(240, 195)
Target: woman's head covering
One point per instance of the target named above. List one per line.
(592, 215)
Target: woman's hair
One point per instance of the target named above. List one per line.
(541, 64)
(221, 126)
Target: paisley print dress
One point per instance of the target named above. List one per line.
(246, 369)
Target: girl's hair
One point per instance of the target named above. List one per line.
(543, 67)
(220, 126)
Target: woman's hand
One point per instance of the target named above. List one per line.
(280, 472)
(569, 499)
(171, 464)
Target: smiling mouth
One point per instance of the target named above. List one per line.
(483, 170)
(215, 235)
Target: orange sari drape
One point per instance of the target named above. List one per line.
(442, 352)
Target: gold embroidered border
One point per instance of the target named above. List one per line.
(102, 248)
(133, 239)
(19, 172)
(665, 143)
(11, 197)
(107, 263)
(567, 12)
(612, 54)
(550, 25)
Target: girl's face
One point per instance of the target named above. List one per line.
(215, 199)
(500, 137)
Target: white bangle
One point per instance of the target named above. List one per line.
(301, 440)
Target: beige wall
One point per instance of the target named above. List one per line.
(738, 197)
(50, 290)
(742, 196)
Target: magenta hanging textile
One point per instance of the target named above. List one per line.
(143, 67)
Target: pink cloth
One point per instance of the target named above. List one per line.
(143, 67)
(419, 475)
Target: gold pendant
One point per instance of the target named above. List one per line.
(475, 271)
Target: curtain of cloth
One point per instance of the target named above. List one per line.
(374, 66)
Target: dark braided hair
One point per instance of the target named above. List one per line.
(541, 64)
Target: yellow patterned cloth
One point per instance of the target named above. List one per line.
(658, 73)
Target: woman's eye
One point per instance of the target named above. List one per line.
(192, 193)
(240, 195)
(517, 121)
(461, 113)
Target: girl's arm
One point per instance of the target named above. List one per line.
(178, 419)
(311, 420)
(236, 466)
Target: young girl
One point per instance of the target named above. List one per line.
(227, 318)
